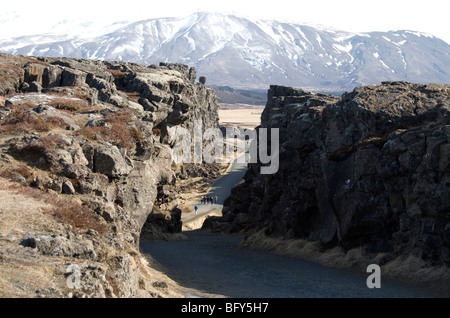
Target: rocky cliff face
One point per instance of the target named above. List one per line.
(99, 134)
(369, 169)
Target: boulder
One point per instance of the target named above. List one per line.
(109, 161)
(72, 77)
(136, 107)
(105, 88)
(52, 76)
(75, 171)
(192, 75)
(60, 246)
(93, 182)
(11, 73)
(105, 209)
(34, 87)
(67, 187)
(34, 73)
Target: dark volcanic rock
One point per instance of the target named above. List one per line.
(369, 169)
(100, 133)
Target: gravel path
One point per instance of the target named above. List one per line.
(221, 188)
(214, 263)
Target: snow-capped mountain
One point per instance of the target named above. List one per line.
(243, 53)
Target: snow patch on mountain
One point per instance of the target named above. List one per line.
(249, 53)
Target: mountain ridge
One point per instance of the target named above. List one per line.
(247, 53)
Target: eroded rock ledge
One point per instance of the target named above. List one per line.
(370, 169)
(98, 135)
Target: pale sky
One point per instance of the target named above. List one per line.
(429, 16)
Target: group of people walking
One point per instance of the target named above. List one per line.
(205, 200)
(210, 200)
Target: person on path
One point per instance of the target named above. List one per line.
(196, 209)
(215, 199)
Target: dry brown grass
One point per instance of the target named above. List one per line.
(34, 60)
(407, 268)
(117, 131)
(56, 122)
(312, 250)
(65, 211)
(8, 70)
(19, 120)
(19, 171)
(133, 96)
(24, 121)
(70, 105)
(117, 73)
(117, 134)
(78, 216)
(295, 247)
(51, 142)
(156, 132)
(81, 93)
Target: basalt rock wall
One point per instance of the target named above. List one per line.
(100, 133)
(369, 169)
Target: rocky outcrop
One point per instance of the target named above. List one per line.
(97, 132)
(369, 170)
